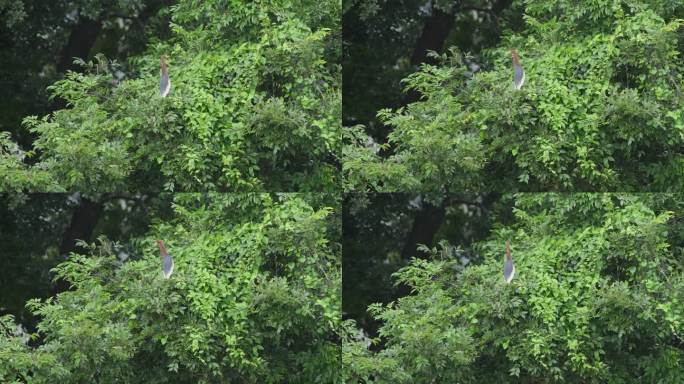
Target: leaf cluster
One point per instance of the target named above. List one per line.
(597, 297)
(601, 110)
(254, 298)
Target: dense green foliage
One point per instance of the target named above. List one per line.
(597, 298)
(601, 109)
(254, 105)
(383, 44)
(36, 229)
(379, 236)
(254, 298)
(38, 40)
(25, 265)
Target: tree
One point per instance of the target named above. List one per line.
(39, 231)
(254, 298)
(39, 40)
(597, 298)
(601, 109)
(384, 232)
(387, 40)
(254, 106)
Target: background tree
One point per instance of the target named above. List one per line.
(383, 232)
(601, 108)
(254, 106)
(597, 298)
(255, 297)
(39, 40)
(39, 231)
(387, 40)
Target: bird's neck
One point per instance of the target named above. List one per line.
(516, 60)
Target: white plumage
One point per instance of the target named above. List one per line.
(165, 80)
(167, 261)
(518, 71)
(509, 267)
(518, 77)
(167, 266)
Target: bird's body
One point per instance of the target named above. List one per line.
(164, 81)
(167, 266)
(518, 72)
(167, 261)
(509, 267)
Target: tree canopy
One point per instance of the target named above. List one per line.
(328, 231)
(601, 108)
(254, 105)
(597, 297)
(255, 298)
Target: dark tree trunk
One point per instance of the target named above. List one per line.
(500, 5)
(426, 223)
(84, 35)
(432, 38)
(83, 221)
(435, 32)
(152, 8)
(81, 40)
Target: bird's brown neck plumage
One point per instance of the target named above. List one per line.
(515, 58)
(162, 62)
(162, 249)
(508, 251)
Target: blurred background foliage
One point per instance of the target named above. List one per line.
(38, 231)
(254, 105)
(255, 296)
(40, 39)
(597, 295)
(382, 232)
(429, 104)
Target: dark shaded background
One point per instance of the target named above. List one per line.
(381, 233)
(39, 40)
(383, 45)
(38, 231)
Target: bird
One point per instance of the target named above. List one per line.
(164, 81)
(509, 267)
(167, 261)
(518, 72)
